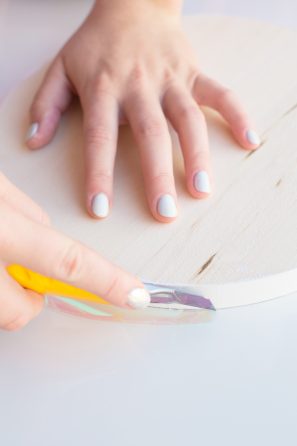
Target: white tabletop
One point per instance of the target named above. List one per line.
(72, 381)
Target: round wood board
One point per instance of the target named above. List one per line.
(237, 247)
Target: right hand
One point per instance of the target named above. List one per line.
(26, 238)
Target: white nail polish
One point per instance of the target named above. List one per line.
(166, 206)
(33, 129)
(201, 182)
(253, 137)
(100, 205)
(139, 298)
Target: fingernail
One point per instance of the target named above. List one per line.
(100, 205)
(166, 206)
(253, 137)
(201, 181)
(33, 129)
(139, 298)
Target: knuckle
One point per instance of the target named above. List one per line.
(151, 127)
(196, 158)
(98, 177)
(99, 134)
(37, 106)
(137, 74)
(190, 111)
(169, 75)
(192, 77)
(162, 176)
(112, 288)
(69, 268)
(224, 95)
(95, 180)
(42, 108)
(101, 84)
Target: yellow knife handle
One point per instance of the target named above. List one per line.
(45, 285)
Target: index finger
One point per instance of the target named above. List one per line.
(51, 253)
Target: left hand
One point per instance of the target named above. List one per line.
(130, 62)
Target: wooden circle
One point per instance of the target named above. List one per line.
(237, 247)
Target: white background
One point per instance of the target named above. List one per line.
(71, 381)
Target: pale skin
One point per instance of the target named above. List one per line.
(25, 235)
(129, 63)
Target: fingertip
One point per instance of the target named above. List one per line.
(124, 290)
(139, 298)
(198, 195)
(51, 100)
(99, 206)
(253, 139)
(161, 219)
(199, 184)
(32, 136)
(42, 131)
(32, 131)
(35, 143)
(249, 139)
(164, 208)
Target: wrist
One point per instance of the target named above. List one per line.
(171, 6)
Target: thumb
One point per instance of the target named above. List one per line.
(51, 100)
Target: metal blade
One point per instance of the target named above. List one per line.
(194, 300)
(161, 294)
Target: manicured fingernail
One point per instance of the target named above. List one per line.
(201, 182)
(139, 298)
(33, 129)
(253, 137)
(166, 206)
(100, 205)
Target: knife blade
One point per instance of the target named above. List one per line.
(169, 295)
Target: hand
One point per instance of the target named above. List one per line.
(27, 239)
(131, 63)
